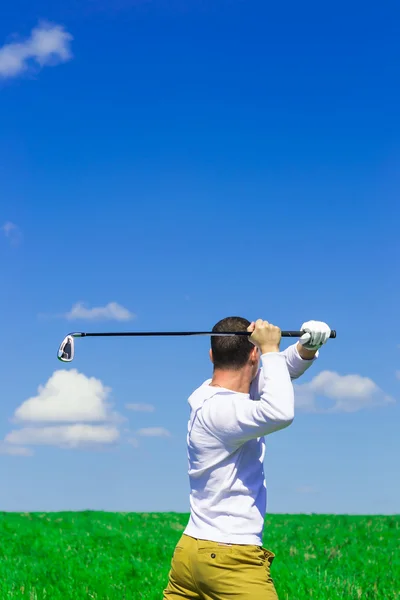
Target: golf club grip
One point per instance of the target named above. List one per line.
(298, 334)
(285, 334)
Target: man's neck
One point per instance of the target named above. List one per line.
(237, 381)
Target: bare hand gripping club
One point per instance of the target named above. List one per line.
(66, 350)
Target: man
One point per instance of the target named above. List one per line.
(220, 555)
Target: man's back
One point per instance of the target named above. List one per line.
(228, 493)
(226, 450)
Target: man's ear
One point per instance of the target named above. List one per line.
(211, 356)
(255, 355)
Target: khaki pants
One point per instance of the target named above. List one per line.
(203, 570)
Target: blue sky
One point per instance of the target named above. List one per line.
(190, 161)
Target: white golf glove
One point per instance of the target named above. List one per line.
(317, 334)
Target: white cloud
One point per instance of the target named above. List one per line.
(111, 312)
(48, 44)
(349, 393)
(133, 442)
(64, 436)
(68, 396)
(140, 407)
(398, 374)
(14, 450)
(153, 432)
(12, 233)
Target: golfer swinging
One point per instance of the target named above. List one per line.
(220, 555)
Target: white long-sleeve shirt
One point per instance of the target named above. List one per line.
(226, 448)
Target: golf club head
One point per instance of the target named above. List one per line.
(67, 349)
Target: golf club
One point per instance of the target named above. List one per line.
(66, 350)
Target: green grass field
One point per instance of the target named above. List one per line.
(112, 556)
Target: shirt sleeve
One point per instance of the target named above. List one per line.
(234, 418)
(297, 366)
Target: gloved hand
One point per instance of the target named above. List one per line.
(317, 334)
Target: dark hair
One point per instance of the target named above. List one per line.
(231, 352)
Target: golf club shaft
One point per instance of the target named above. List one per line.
(285, 334)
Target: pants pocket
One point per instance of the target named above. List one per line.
(268, 556)
(236, 572)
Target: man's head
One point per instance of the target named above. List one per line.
(233, 352)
